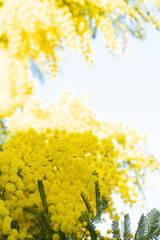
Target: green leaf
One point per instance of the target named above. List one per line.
(101, 203)
(127, 227)
(156, 234)
(98, 194)
(61, 234)
(141, 229)
(153, 219)
(43, 196)
(87, 204)
(15, 225)
(115, 229)
(32, 210)
(92, 230)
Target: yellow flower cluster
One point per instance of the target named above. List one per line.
(15, 83)
(72, 113)
(65, 162)
(40, 29)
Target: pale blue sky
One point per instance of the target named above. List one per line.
(121, 90)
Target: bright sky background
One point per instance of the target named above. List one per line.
(121, 90)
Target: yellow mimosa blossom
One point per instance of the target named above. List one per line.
(66, 163)
(41, 29)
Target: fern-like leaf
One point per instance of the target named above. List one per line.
(41, 228)
(156, 234)
(92, 229)
(85, 217)
(141, 229)
(15, 225)
(102, 207)
(33, 228)
(32, 210)
(87, 204)
(98, 194)
(43, 196)
(127, 227)
(88, 215)
(115, 229)
(153, 219)
(61, 234)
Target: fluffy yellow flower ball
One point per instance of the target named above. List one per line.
(109, 231)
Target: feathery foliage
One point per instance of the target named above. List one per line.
(127, 227)
(87, 204)
(101, 202)
(88, 215)
(141, 229)
(115, 229)
(41, 228)
(43, 197)
(153, 220)
(148, 226)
